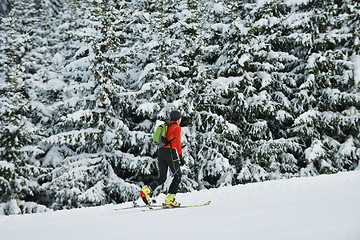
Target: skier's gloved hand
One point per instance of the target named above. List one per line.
(181, 159)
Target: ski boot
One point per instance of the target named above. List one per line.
(145, 194)
(170, 201)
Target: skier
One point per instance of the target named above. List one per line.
(167, 158)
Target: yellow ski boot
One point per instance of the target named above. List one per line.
(170, 201)
(145, 194)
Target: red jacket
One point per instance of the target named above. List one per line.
(174, 131)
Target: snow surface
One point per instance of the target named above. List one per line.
(324, 207)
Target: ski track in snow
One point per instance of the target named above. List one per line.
(324, 207)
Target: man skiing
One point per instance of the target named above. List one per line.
(167, 158)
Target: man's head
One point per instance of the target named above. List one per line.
(175, 116)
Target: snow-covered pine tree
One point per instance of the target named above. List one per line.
(326, 118)
(19, 152)
(246, 83)
(211, 136)
(89, 132)
(271, 56)
(269, 105)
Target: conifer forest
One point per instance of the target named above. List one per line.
(268, 89)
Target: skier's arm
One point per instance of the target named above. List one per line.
(177, 140)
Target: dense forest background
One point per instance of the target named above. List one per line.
(268, 89)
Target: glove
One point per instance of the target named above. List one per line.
(181, 159)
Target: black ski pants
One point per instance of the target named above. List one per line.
(167, 158)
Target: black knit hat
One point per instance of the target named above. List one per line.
(175, 115)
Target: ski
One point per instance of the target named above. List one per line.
(135, 205)
(163, 207)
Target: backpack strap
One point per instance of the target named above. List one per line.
(170, 124)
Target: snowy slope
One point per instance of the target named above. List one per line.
(324, 207)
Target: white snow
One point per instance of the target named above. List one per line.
(147, 69)
(347, 148)
(147, 107)
(356, 60)
(225, 83)
(316, 208)
(315, 151)
(53, 157)
(58, 59)
(287, 2)
(265, 79)
(296, 2)
(244, 58)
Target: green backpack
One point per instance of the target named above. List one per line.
(159, 137)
